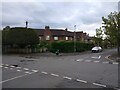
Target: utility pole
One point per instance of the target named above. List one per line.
(118, 33)
(74, 38)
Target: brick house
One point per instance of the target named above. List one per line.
(51, 35)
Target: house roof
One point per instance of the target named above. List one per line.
(55, 32)
(59, 32)
(40, 32)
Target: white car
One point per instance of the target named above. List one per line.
(96, 49)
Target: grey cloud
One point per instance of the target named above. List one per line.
(55, 14)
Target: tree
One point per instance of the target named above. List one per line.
(112, 28)
(21, 37)
(99, 37)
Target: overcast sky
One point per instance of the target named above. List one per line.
(85, 15)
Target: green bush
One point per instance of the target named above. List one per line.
(68, 47)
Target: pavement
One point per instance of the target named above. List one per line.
(114, 57)
(47, 70)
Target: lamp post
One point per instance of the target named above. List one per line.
(26, 24)
(74, 38)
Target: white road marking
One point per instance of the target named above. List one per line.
(115, 63)
(96, 57)
(18, 67)
(12, 66)
(5, 67)
(99, 85)
(54, 75)
(96, 61)
(18, 70)
(1, 66)
(14, 78)
(88, 60)
(27, 72)
(99, 57)
(78, 60)
(35, 70)
(25, 68)
(67, 78)
(44, 72)
(105, 62)
(81, 81)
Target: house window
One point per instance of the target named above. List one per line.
(47, 37)
(66, 38)
(55, 38)
(71, 38)
(40, 38)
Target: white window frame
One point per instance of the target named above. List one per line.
(47, 37)
(66, 38)
(55, 38)
(40, 38)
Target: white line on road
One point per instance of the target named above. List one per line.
(28, 72)
(5, 67)
(18, 67)
(96, 61)
(1, 66)
(99, 85)
(18, 70)
(54, 75)
(44, 72)
(78, 60)
(12, 78)
(12, 66)
(99, 57)
(25, 68)
(96, 57)
(35, 70)
(15, 78)
(115, 63)
(105, 62)
(81, 81)
(67, 78)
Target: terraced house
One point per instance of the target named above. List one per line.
(51, 35)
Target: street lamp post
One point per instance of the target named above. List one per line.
(26, 24)
(74, 38)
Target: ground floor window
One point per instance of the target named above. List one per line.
(55, 38)
(47, 37)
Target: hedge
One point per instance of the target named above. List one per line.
(68, 47)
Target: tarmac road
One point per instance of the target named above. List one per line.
(88, 70)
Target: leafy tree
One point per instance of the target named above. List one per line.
(20, 36)
(112, 28)
(99, 37)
